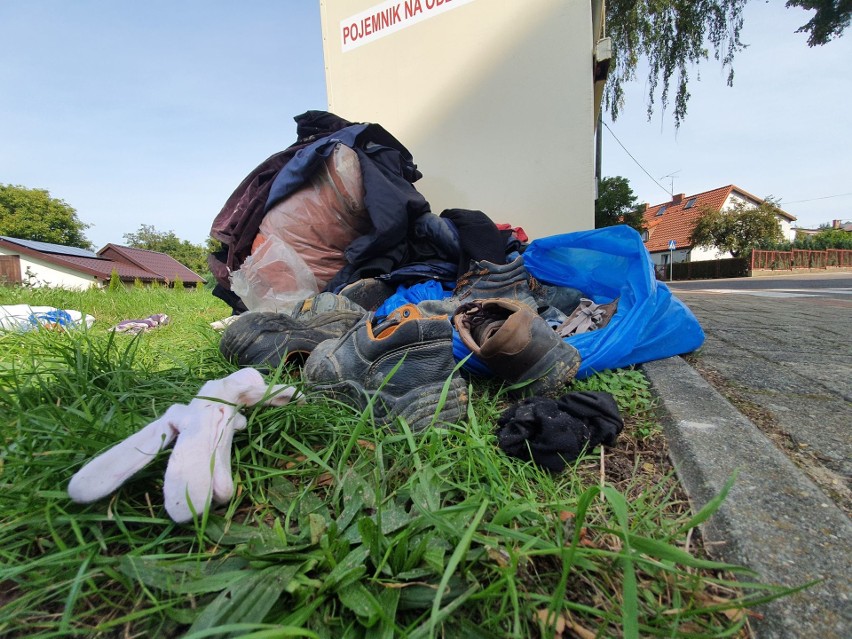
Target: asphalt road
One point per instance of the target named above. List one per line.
(785, 344)
(803, 283)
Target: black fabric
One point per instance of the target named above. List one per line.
(513, 244)
(479, 237)
(313, 124)
(553, 432)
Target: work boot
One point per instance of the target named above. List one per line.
(517, 345)
(357, 369)
(264, 338)
(369, 293)
(486, 280)
(560, 301)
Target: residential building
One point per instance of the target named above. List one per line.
(45, 264)
(674, 220)
(836, 225)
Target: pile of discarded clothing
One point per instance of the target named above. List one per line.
(332, 259)
(337, 212)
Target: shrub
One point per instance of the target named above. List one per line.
(115, 282)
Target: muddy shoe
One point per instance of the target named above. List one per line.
(557, 299)
(368, 293)
(517, 345)
(357, 369)
(318, 305)
(486, 280)
(263, 339)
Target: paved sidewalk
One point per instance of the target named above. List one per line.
(787, 358)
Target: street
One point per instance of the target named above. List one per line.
(784, 345)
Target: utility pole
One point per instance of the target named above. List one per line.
(598, 153)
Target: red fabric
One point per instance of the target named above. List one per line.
(517, 231)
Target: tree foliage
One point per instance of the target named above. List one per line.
(192, 256)
(673, 35)
(830, 19)
(32, 214)
(616, 204)
(827, 238)
(739, 228)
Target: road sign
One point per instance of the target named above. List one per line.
(672, 245)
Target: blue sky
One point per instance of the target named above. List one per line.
(153, 112)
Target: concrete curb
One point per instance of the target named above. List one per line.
(774, 520)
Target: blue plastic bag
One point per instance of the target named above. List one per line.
(605, 264)
(610, 263)
(428, 290)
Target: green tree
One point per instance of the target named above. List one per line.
(32, 214)
(830, 19)
(738, 229)
(827, 238)
(616, 204)
(192, 256)
(673, 35)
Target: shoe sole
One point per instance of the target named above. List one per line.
(551, 374)
(420, 408)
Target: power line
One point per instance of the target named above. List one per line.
(814, 199)
(670, 194)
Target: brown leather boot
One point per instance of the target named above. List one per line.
(517, 345)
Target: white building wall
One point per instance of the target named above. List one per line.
(46, 274)
(701, 254)
(787, 229)
(494, 98)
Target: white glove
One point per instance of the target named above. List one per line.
(199, 468)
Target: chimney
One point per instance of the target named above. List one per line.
(835, 224)
(677, 199)
(643, 207)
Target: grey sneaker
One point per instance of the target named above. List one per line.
(357, 369)
(263, 339)
(517, 345)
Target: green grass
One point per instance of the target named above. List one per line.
(337, 529)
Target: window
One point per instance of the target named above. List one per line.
(690, 203)
(645, 236)
(661, 211)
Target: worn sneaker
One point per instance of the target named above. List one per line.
(264, 339)
(356, 368)
(517, 345)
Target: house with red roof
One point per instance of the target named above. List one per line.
(46, 264)
(674, 220)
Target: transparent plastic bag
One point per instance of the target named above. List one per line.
(323, 217)
(273, 275)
